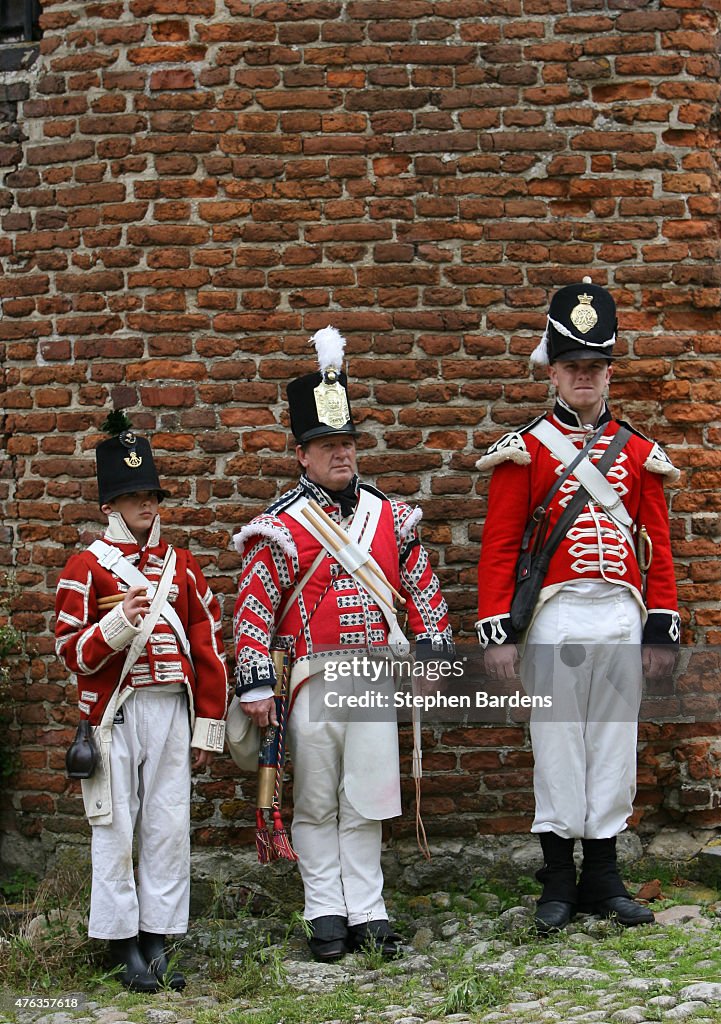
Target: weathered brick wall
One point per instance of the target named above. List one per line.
(195, 186)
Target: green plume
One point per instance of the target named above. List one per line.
(116, 422)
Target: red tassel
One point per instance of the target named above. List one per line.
(281, 840)
(263, 844)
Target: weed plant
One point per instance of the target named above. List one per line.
(472, 992)
(50, 951)
(14, 651)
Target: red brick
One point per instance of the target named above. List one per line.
(171, 79)
(177, 262)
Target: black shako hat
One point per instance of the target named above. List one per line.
(318, 402)
(581, 324)
(124, 464)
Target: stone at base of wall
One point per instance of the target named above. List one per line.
(675, 844)
(20, 853)
(224, 881)
(227, 881)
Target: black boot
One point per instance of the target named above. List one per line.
(601, 890)
(135, 975)
(328, 939)
(557, 903)
(152, 946)
(377, 935)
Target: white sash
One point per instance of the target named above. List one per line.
(585, 472)
(112, 559)
(356, 553)
(97, 790)
(153, 614)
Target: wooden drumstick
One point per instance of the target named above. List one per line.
(334, 543)
(343, 537)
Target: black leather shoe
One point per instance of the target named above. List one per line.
(375, 935)
(152, 946)
(328, 938)
(135, 975)
(625, 910)
(552, 916)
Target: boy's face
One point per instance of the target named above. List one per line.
(138, 509)
(582, 383)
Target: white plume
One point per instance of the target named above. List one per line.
(330, 346)
(539, 356)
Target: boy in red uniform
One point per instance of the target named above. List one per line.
(138, 626)
(607, 608)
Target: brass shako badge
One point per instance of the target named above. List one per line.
(584, 316)
(331, 401)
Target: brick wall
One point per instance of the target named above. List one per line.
(190, 188)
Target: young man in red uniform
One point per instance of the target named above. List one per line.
(138, 626)
(295, 594)
(606, 613)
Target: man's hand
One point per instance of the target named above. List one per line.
(136, 604)
(201, 759)
(658, 660)
(501, 660)
(261, 711)
(431, 680)
(426, 688)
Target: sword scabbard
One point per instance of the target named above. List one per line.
(644, 550)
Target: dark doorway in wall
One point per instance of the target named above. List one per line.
(19, 21)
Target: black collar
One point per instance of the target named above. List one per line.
(347, 499)
(570, 418)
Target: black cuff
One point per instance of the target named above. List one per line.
(432, 647)
(496, 629)
(662, 627)
(250, 677)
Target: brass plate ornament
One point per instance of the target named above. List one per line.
(584, 316)
(331, 403)
(134, 460)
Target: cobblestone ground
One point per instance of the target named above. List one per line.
(466, 959)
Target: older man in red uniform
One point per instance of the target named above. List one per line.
(606, 611)
(296, 594)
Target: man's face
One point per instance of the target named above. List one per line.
(582, 383)
(138, 509)
(329, 461)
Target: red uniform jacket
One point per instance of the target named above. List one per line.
(333, 614)
(93, 644)
(595, 548)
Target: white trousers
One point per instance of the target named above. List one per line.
(339, 851)
(150, 778)
(584, 651)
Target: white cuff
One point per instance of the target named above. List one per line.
(208, 734)
(257, 693)
(117, 631)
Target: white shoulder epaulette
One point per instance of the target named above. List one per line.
(509, 448)
(269, 527)
(410, 522)
(659, 462)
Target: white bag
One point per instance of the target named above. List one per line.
(242, 737)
